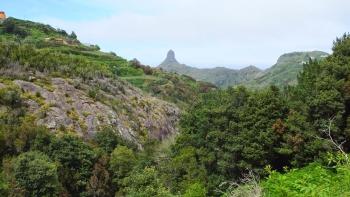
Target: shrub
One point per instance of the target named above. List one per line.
(35, 173)
(76, 159)
(313, 180)
(10, 97)
(107, 139)
(145, 183)
(196, 190)
(122, 162)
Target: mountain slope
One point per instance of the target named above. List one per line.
(287, 68)
(220, 76)
(71, 87)
(284, 72)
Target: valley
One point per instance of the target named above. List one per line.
(76, 121)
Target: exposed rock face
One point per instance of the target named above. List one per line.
(67, 104)
(170, 59)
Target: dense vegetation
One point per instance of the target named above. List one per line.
(231, 131)
(285, 136)
(38, 47)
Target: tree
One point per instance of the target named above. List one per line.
(73, 35)
(37, 174)
(77, 161)
(121, 163)
(107, 139)
(100, 181)
(184, 170)
(145, 183)
(11, 27)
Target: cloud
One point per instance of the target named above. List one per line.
(213, 33)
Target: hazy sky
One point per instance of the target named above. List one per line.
(203, 33)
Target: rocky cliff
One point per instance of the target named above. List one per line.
(69, 105)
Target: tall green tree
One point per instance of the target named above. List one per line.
(145, 183)
(77, 161)
(37, 174)
(121, 163)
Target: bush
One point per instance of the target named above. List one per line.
(11, 27)
(121, 164)
(35, 173)
(76, 159)
(10, 97)
(145, 183)
(313, 180)
(107, 139)
(196, 190)
(4, 187)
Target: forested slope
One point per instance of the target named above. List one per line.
(111, 138)
(231, 132)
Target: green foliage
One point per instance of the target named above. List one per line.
(76, 159)
(224, 134)
(4, 187)
(283, 73)
(107, 139)
(233, 130)
(196, 190)
(313, 180)
(10, 27)
(185, 164)
(121, 164)
(53, 61)
(55, 53)
(287, 69)
(20, 137)
(73, 35)
(10, 97)
(128, 71)
(35, 173)
(145, 183)
(93, 93)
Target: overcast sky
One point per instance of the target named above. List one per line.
(203, 33)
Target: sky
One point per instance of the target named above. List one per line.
(203, 33)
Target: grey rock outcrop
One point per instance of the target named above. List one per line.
(170, 59)
(67, 104)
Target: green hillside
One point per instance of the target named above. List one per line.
(287, 68)
(79, 122)
(284, 72)
(244, 142)
(40, 40)
(74, 87)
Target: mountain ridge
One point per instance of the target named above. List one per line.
(251, 76)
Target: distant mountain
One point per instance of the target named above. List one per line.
(220, 76)
(284, 72)
(287, 68)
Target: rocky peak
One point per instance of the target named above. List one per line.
(170, 59)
